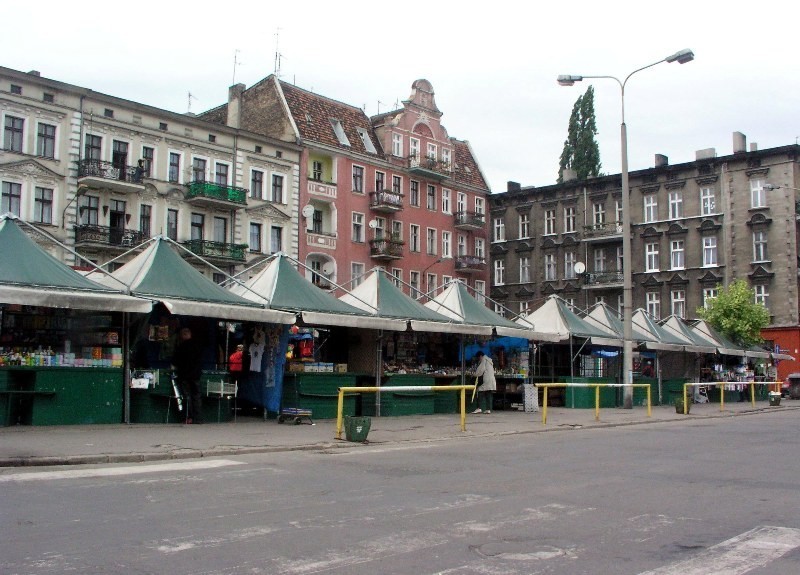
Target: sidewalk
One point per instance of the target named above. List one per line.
(93, 444)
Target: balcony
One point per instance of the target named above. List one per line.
(105, 237)
(215, 195)
(217, 251)
(470, 221)
(610, 278)
(100, 174)
(605, 231)
(470, 264)
(320, 188)
(321, 240)
(386, 201)
(430, 168)
(386, 249)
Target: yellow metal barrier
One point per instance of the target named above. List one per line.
(597, 387)
(722, 385)
(342, 390)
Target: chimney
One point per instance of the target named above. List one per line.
(513, 186)
(235, 105)
(35, 73)
(739, 143)
(753, 147)
(569, 175)
(661, 161)
(706, 154)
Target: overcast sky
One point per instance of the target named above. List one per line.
(493, 66)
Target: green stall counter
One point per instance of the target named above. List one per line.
(403, 402)
(157, 402)
(318, 392)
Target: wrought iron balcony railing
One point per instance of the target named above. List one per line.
(104, 235)
(386, 248)
(218, 250)
(429, 166)
(109, 171)
(604, 277)
(216, 192)
(470, 264)
(469, 220)
(386, 200)
(602, 230)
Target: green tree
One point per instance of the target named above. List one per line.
(735, 314)
(581, 152)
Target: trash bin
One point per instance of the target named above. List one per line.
(774, 398)
(356, 428)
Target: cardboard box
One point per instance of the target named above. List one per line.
(340, 368)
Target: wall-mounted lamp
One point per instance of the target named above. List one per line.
(127, 218)
(105, 210)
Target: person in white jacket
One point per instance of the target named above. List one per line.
(486, 389)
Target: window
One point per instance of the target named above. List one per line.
(258, 150)
(678, 303)
(276, 239)
(549, 222)
(145, 219)
(499, 230)
(461, 202)
(12, 140)
(599, 214)
(414, 193)
(368, 145)
(197, 225)
(431, 197)
(620, 258)
(654, 304)
(49, 98)
(479, 206)
(599, 259)
(760, 247)
(446, 244)
(430, 283)
(524, 308)
(356, 273)
(256, 184)
(358, 227)
(675, 205)
(89, 210)
(569, 220)
(413, 280)
(524, 269)
(218, 278)
(338, 129)
(708, 295)
(108, 113)
(162, 126)
(413, 238)
(12, 198)
(550, 270)
(524, 226)
(46, 141)
(16, 89)
(479, 248)
(709, 251)
(358, 179)
(380, 181)
(277, 189)
(761, 294)
(618, 209)
(499, 309)
(198, 170)
(651, 257)
(316, 170)
(397, 230)
(676, 255)
(397, 278)
(431, 151)
(446, 155)
(650, 209)
(621, 304)
(221, 176)
(255, 238)
(212, 138)
(499, 272)
(92, 149)
(174, 167)
(758, 196)
(397, 145)
(569, 265)
(480, 290)
(431, 241)
(149, 158)
(446, 208)
(172, 224)
(43, 205)
(119, 156)
(316, 221)
(707, 202)
(397, 185)
(413, 147)
(220, 230)
(462, 245)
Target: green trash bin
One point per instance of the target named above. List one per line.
(356, 428)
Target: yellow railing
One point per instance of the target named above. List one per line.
(722, 384)
(596, 387)
(343, 390)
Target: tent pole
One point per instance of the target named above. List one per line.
(378, 370)
(126, 370)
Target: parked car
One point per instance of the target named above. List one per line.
(791, 386)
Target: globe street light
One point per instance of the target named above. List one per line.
(627, 283)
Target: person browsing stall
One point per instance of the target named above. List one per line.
(488, 384)
(186, 363)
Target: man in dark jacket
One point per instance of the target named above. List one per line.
(186, 363)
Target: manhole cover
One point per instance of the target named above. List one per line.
(519, 551)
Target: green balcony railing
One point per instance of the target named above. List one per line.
(217, 192)
(209, 249)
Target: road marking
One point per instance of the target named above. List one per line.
(738, 555)
(116, 471)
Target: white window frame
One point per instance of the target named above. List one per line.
(524, 226)
(550, 268)
(414, 239)
(413, 147)
(677, 255)
(708, 295)
(598, 214)
(480, 291)
(570, 259)
(675, 204)
(761, 294)
(430, 241)
(499, 229)
(480, 206)
(499, 272)
(447, 244)
(446, 201)
(357, 233)
(397, 145)
(357, 270)
(431, 151)
(549, 222)
(570, 218)
(710, 251)
(653, 304)
(758, 195)
(650, 206)
(678, 303)
(760, 252)
(651, 257)
(524, 269)
(480, 248)
(707, 201)
(599, 259)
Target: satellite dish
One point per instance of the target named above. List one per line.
(308, 211)
(373, 224)
(328, 268)
(580, 267)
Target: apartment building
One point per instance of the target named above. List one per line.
(392, 191)
(102, 174)
(695, 227)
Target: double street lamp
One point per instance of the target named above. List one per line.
(627, 282)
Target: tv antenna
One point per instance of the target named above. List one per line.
(189, 104)
(278, 55)
(235, 64)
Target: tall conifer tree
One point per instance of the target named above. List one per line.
(581, 152)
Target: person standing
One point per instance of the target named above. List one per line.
(186, 363)
(236, 360)
(486, 389)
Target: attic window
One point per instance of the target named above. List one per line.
(258, 149)
(162, 125)
(212, 138)
(339, 131)
(16, 89)
(48, 97)
(367, 141)
(308, 119)
(108, 113)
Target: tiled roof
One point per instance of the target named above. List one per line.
(466, 170)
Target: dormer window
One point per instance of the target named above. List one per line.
(338, 129)
(367, 141)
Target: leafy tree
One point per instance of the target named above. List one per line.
(735, 314)
(581, 152)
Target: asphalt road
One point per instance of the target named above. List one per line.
(714, 496)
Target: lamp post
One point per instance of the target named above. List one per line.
(438, 260)
(627, 282)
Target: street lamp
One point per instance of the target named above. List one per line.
(439, 260)
(627, 282)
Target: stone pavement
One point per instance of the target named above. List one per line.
(94, 444)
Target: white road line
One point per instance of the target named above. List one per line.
(117, 471)
(738, 555)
